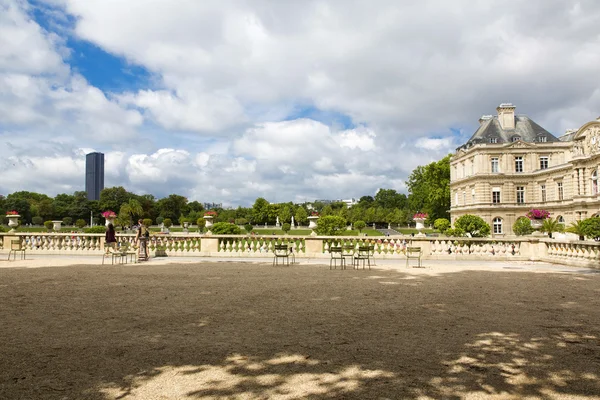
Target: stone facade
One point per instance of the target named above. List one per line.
(511, 165)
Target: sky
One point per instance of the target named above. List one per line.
(227, 101)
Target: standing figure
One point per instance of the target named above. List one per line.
(110, 238)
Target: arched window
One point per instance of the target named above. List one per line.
(560, 220)
(497, 223)
(595, 182)
(516, 138)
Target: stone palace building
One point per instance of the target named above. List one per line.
(511, 165)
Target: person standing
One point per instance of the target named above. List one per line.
(110, 238)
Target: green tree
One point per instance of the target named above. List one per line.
(80, 223)
(429, 188)
(248, 228)
(112, 198)
(360, 225)
(551, 225)
(389, 198)
(260, 211)
(201, 222)
(522, 226)
(285, 214)
(330, 225)
(472, 225)
(285, 227)
(133, 209)
(172, 207)
(591, 228)
(37, 220)
(577, 227)
(301, 216)
(67, 221)
(168, 223)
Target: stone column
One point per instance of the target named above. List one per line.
(313, 247)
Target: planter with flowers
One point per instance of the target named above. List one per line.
(110, 217)
(537, 217)
(312, 220)
(419, 219)
(208, 217)
(13, 219)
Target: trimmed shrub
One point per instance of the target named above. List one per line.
(80, 223)
(286, 227)
(168, 223)
(591, 228)
(522, 226)
(147, 222)
(331, 225)
(472, 225)
(68, 221)
(160, 220)
(225, 228)
(49, 225)
(441, 224)
(95, 229)
(37, 220)
(201, 222)
(248, 228)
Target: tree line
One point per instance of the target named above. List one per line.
(428, 187)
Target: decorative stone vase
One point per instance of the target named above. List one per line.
(109, 220)
(209, 220)
(13, 221)
(312, 221)
(420, 226)
(57, 225)
(536, 223)
(186, 224)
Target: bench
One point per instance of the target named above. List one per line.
(16, 246)
(414, 253)
(337, 254)
(282, 251)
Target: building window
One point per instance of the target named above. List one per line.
(464, 197)
(559, 186)
(456, 198)
(516, 138)
(595, 182)
(495, 165)
(544, 162)
(518, 164)
(520, 194)
(543, 192)
(497, 223)
(560, 220)
(496, 195)
(494, 140)
(472, 196)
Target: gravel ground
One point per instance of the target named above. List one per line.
(253, 331)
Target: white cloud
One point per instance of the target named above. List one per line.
(229, 78)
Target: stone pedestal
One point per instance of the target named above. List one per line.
(57, 225)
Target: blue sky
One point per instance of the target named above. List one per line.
(227, 102)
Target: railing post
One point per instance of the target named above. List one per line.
(209, 245)
(313, 247)
(424, 243)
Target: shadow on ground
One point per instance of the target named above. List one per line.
(258, 332)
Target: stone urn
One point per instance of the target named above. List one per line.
(419, 222)
(57, 225)
(312, 221)
(13, 221)
(186, 224)
(209, 221)
(537, 223)
(109, 220)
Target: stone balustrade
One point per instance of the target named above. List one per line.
(580, 253)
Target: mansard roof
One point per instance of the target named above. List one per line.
(525, 129)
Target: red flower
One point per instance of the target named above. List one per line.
(13, 212)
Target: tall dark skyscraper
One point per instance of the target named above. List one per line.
(94, 175)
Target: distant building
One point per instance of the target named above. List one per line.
(94, 175)
(511, 165)
(211, 206)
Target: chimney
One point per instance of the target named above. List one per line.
(506, 115)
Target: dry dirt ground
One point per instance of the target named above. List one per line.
(253, 331)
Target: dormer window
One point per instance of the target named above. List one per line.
(516, 138)
(542, 138)
(493, 140)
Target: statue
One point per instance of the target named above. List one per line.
(277, 221)
(292, 224)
